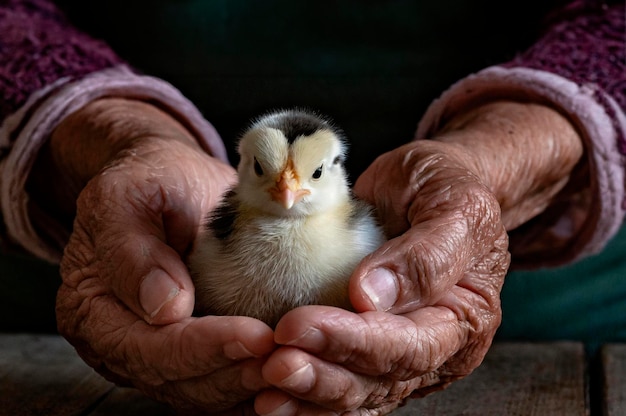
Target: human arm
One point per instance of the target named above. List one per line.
(123, 167)
(48, 70)
(427, 284)
(578, 68)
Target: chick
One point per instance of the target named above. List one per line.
(290, 233)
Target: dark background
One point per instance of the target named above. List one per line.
(372, 66)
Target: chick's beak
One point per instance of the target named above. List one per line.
(288, 190)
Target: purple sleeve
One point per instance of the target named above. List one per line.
(578, 66)
(38, 47)
(586, 44)
(48, 70)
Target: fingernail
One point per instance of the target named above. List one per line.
(235, 350)
(289, 407)
(312, 339)
(381, 287)
(301, 380)
(157, 289)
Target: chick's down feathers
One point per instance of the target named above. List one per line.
(290, 233)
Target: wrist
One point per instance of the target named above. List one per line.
(88, 140)
(524, 153)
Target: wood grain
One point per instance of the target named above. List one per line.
(614, 371)
(515, 379)
(43, 375)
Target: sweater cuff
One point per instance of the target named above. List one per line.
(23, 134)
(580, 229)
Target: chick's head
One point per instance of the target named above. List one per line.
(292, 165)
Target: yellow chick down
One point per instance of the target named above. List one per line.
(290, 233)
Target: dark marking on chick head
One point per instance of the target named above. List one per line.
(296, 123)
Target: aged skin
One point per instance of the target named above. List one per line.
(427, 301)
(449, 202)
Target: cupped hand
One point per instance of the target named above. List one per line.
(428, 299)
(427, 302)
(126, 298)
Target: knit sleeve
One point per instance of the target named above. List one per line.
(39, 48)
(49, 69)
(578, 67)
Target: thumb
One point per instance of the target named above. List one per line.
(419, 267)
(166, 293)
(446, 223)
(412, 270)
(150, 278)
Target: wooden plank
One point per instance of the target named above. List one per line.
(614, 383)
(43, 375)
(515, 379)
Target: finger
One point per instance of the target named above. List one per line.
(450, 338)
(141, 270)
(476, 303)
(119, 232)
(412, 270)
(140, 220)
(225, 389)
(149, 277)
(130, 348)
(279, 403)
(371, 360)
(418, 267)
(329, 385)
(443, 220)
(376, 343)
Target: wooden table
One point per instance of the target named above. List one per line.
(42, 375)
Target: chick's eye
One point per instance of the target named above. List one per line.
(257, 168)
(318, 173)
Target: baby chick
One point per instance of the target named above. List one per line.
(290, 233)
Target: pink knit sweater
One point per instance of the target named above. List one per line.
(49, 69)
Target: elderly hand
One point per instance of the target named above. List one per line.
(127, 298)
(428, 300)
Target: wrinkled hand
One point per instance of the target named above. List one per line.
(427, 301)
(429, 297)
(126, 298)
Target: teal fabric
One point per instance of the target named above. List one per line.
(584, 301)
